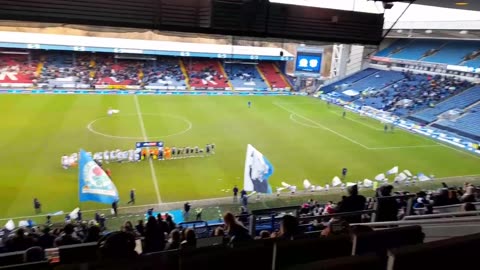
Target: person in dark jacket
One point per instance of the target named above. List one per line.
(174, 241)
(387, 207)
(46, 240)
(352, 203)
(67, 237)
(154, 239)
(236, 231)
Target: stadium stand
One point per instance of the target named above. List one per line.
(273, 76)
(245, 77)
(15, 69)
(282, 250)
(206, 74)
(60, 69)
(460, 101)
(467, 125)
(452, 52)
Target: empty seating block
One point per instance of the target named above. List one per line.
(273, 76)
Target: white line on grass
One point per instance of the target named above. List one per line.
(144, 134)
(300, 123)
(404, 147)
(360, 122)
(321, 126)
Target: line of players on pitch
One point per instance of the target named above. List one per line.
(71, 161)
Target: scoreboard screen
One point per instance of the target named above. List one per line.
(308, 62)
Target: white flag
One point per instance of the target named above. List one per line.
(408, 173)
(422, 177)
(380, 177)
(349, 184)
(306, 184)
(367, 183)
(285, 184)
(401, 177)
(74, 213)
(393, 170)
(336, 181)
(10, 225)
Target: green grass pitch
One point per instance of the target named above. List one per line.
(301, 136)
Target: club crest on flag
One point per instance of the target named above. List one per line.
(94, 183)
(257, 171)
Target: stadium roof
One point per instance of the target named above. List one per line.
(135, 46)
(424, 14)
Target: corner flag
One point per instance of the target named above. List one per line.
(257, 171)
(94, 183)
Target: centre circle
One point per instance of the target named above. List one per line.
(170, 124)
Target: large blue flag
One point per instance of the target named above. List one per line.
(94, 183)
(257, 172)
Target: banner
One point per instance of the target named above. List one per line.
(94, 183)
(257, 171)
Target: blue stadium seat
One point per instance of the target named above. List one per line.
(417, 48)
(453, 52)
(460, 101)
(245, 77)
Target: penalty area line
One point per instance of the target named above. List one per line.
(321, 126)
(145, 138)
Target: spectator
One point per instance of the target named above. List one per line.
(236, 231)
(117, 245)
(186, 210)
(466, 207)
(162, 225)
(34, 254)
(468, 196)
(154, 240)
(20, 241)
(453, 197)
(190, 239)
(46, 240)
(128, 228)
(288, 228)
(219, 231)
(174, 241)
(387, 205)
(336, 227)
(67, 237)
(140, 228)
(170, 223)
(352, 203)
(93, 234)
(264, 235)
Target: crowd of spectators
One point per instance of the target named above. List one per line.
(161, 233)
(422, 90)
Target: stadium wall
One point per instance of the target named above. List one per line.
(355, 59)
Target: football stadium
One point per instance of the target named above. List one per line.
(281, 134)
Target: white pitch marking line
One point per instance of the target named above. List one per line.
(321, 126)
(91, 129)
(404, 147)
(144, 134)
(300, 123)
(354, 120)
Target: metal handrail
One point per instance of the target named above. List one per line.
(450, 214)
(420, 222)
